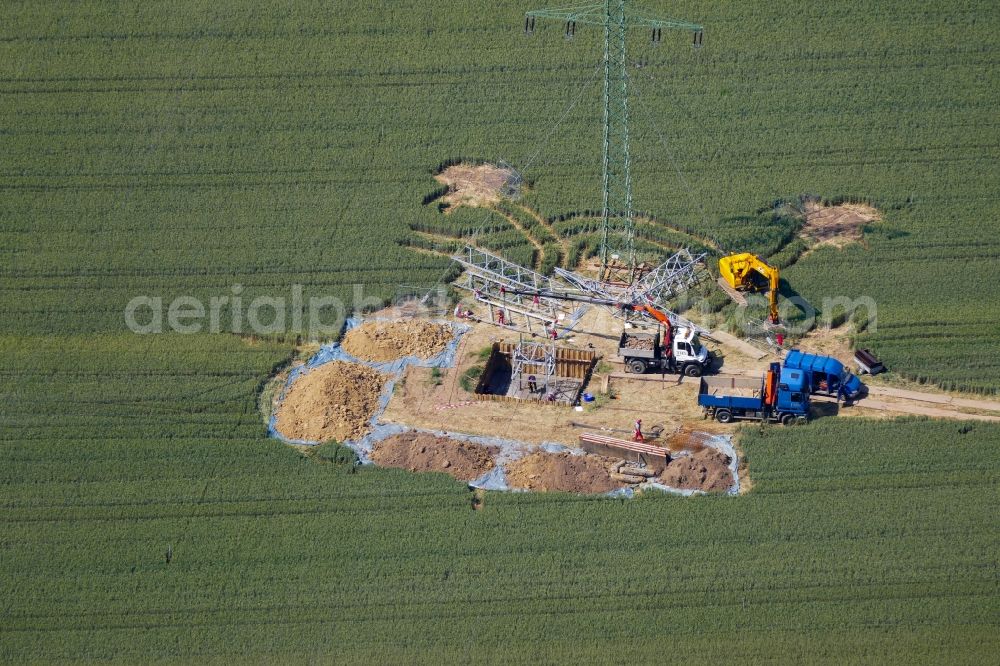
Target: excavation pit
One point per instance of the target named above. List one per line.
(535, 372)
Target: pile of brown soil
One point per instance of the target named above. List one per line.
(423, 452)
(334, 401)
(836, 225)
(706, 469)
(473, 185)
(380, 341)
(562, 472)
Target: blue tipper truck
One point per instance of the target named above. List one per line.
(780, 395)
(826, 375)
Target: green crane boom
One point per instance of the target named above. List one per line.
(617, 221)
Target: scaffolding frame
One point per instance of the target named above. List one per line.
(538, 358)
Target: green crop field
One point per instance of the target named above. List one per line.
(183, 148)
(860, 541)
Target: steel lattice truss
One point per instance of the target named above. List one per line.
(498, 272)
(594, 287)
(492, 278)
(674, 276)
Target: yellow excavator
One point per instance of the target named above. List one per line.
(743, 272)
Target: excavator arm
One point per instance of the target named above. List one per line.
(772, 295)
(658, 316)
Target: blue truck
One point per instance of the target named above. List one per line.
(827, 375)
(782, 395)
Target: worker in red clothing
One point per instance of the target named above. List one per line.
(637, 435)
(671, 359)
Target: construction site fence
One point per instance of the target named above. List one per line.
(490, 397)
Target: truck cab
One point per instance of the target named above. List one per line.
(793, 393)
(688, 348)
(643, 352)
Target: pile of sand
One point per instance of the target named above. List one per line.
(423, 452)
(470, 185)
(381, 341)
(836, 225)
(562, 472)
(706, 469)
(334, 401)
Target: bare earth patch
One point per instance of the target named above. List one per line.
(424, 452)
(705, 469)
(334, 401)
(379, 341)
(836, 226)
(473, 185)
(563, 472)
(827, 341)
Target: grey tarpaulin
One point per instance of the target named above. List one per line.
(508, 449)
(334, 352)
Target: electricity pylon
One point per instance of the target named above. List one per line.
(617, 222)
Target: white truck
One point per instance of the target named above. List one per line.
(643, 352)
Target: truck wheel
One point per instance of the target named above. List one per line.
(786, 419)
(724, 416)
(637, 366)
(692, 370)
(801, 420)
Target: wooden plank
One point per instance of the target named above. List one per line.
(622, 444)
